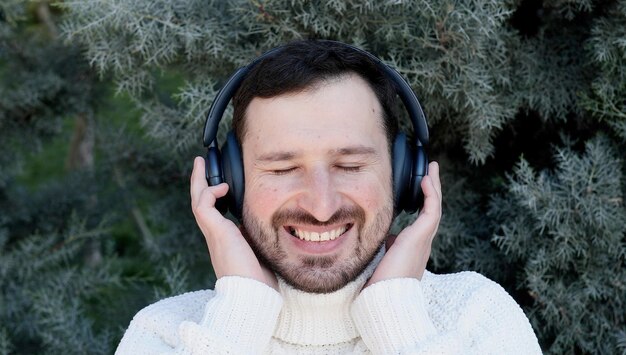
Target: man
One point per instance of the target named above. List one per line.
(312, 269)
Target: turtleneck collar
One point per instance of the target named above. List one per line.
(318, 319)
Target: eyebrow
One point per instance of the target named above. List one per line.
(354, 150)
(289, 155)
(276, 156)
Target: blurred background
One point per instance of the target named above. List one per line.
(102, 105)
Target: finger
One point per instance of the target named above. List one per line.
(433, 172)
(200, 190)
(432, 207)
(427, 221)
(198, 180)
(432, 198)
(209, 195)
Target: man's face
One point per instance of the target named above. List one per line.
(318, 200)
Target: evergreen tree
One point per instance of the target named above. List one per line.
(526, 102)
(563, 231)
(46, 283)
(63, 287)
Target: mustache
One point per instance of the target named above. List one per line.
(285, 217)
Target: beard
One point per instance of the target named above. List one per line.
(317, 274)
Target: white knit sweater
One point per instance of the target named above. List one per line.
(463, 313)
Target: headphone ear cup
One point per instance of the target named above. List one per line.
(232, 166)
(214, 175)
(415, 200)
(401, 170)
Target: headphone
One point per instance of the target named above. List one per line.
(409, 161)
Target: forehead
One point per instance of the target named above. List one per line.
(343, 109)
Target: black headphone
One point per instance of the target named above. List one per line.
(409, 161)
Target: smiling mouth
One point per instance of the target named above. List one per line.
(310, 236)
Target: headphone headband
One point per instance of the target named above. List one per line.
(403, 89)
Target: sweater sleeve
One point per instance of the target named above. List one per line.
(238, 319)
(392, 318)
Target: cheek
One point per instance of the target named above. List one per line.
(370, 194)
(263, 199)
(372, 197)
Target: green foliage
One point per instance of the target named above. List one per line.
(607, 46)
(5, 342)
(502, 84)
(451, 53)
(47, 280)
(42, 82)
(566, 231)
(11, 11)
(497, 80)
(64, 280)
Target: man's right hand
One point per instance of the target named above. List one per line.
(230, 253)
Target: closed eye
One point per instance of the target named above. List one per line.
(350, 168)
(283, 171)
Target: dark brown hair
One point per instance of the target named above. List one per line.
(302, 65)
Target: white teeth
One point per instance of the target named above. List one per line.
(319, 237)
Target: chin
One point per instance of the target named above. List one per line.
(322, 274)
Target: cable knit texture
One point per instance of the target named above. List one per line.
(463, 313)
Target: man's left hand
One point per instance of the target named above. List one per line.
(408, 254)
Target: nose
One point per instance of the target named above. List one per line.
(319, 197)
